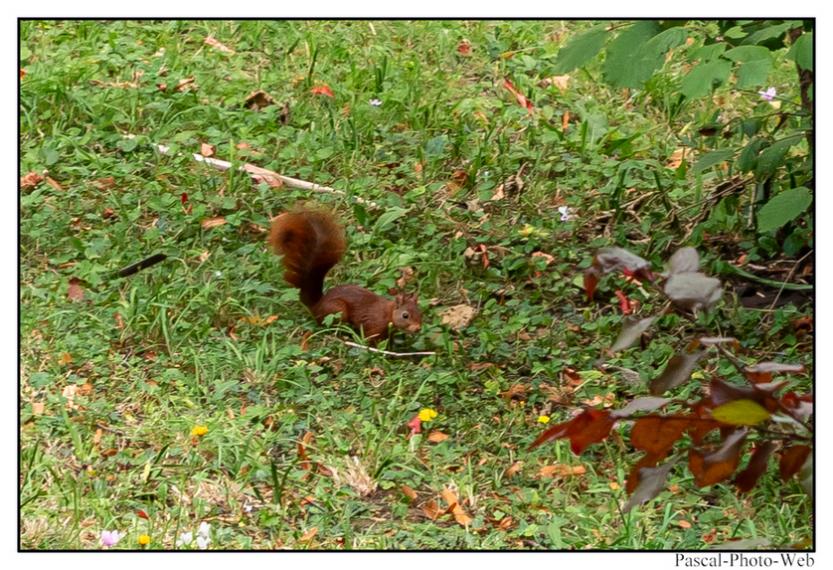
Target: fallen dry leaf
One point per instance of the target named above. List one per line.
(75, 292)
(677, 157)
(213, 223)
(545, 256)
(309, 535)
(464, 47)
(682, 523)
(559, 81)
(216, 44)
(185, 84)
(64, 359)
(407, 275)
(322, 89)
(257, 100)
(38, 408)
(69, 392)
(30, 180)
(565, 121)
(408, 492)
(437, 436)
(513, 469)
(104, 183)
(450, 497)
(549, 471)
(97, 436)
(431, 509)
(515, 391)
(207, 150)
(54, 183)
(458, 317)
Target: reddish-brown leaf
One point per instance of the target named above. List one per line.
(591, 426)
(624, 302)
(75, 292)
(657, 436)
(464, 47)
(437, 436)
(450, 497)
(792, 458)
(677, 371)
(591, 279)
(513, 469)
(648, 460)
(142, 515)
(322, 89)
(522, 100)
(710, 467)
(431, 509)
(650, 483)
(409, 493)
(30, 180)
(747, 478)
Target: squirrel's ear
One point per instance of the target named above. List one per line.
(400, 299)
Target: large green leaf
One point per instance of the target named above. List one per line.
(753, 73)
(702, 79)
(711, 158)
(581, 49)
(802, 51)
(626, 62)
(743, 54)
(772, 157)
(748, 158)
(783, 208)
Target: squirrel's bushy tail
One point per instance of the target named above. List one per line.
(311, 242)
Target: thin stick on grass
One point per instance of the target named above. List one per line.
(262, 174)
(387, 352)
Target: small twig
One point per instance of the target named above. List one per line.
(139, 265)
(259, 173)
(387, 352)
(787, 280)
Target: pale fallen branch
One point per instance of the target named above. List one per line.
(269, 176)
(387, 352)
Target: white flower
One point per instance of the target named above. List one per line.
(203, 541)
(565, 213)
(110, 537)
(247, 508)
(204, 530)
(185, 538)
(376, 102)
(769, 94)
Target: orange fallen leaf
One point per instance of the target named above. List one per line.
(30, 180)
(104, 183)
(513, 469)
(450, 497)
(464, 47)
(64, 359)
(75, 291)
(322, 89)
(216, 44)
(213, 222)
(309, 535)
(431, 509)
(38, 408)
(677, 157)
(559, 81)
(683, 523)
(207, 150)
(437, 436)
(97, 436)
(522, 100)
(54, 183)
(184, 83)
(565, 121)
(505, 523)
(550, 471)
(408, 492)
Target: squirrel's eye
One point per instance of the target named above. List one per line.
(405, 315)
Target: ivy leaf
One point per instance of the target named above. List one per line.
(644, 404)
(783, 208)
(693, 291)
(581, 49)
(715, 466)
(703, 78)
(792, 458)
(741, 413)
(632, 329)
(651, 483)
(746, 480)
(684, 260)
(677, 371)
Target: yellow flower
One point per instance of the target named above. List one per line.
(427, 414)
(527, 230)
(543, 419)
(199, 431)
(144, 539)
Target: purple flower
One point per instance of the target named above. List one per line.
(769, 94)
(110, 538)
(565, 213)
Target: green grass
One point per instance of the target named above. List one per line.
(189, 342)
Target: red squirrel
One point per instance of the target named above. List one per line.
(312, 242)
